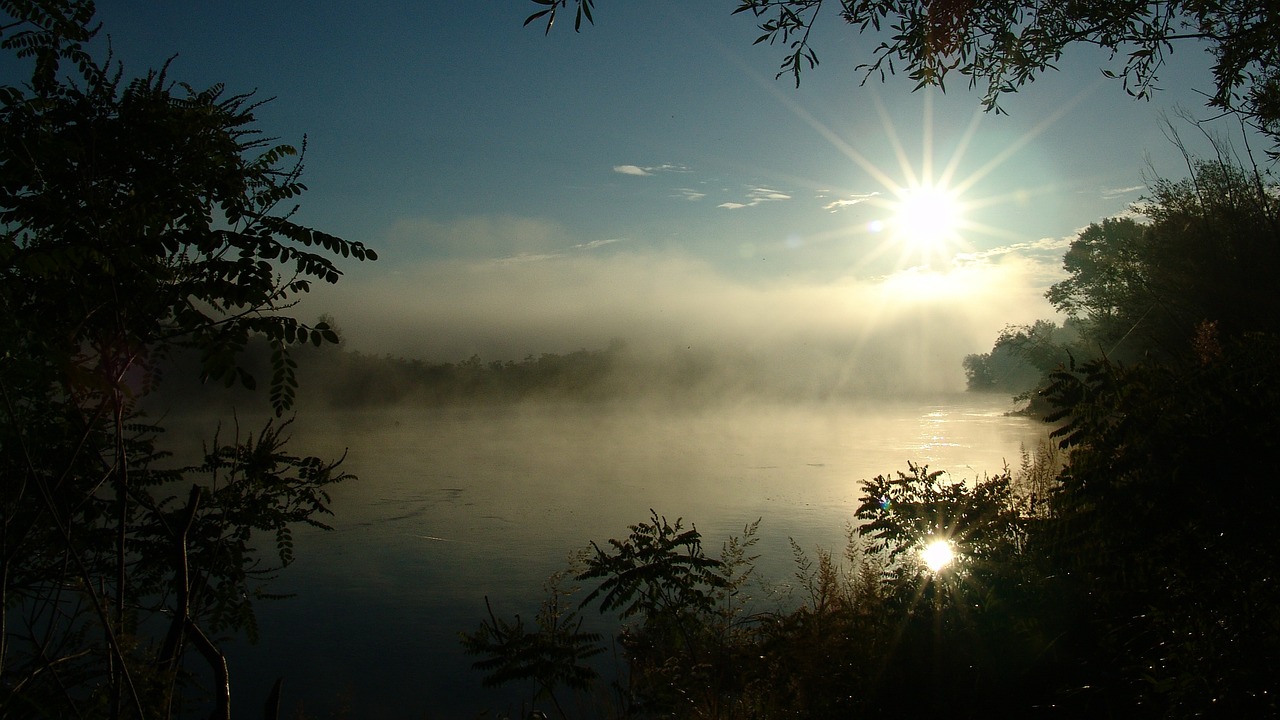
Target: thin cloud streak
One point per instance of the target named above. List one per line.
(756, 196)
(639, 171)
(1112, 193)
(596, 243)
(850, 201)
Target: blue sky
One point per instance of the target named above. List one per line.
(650, 179)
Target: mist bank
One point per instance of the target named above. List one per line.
(603, 324)
(336, 378)
(622, 371)
(505, 308)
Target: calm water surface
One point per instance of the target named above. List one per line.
(455, 504)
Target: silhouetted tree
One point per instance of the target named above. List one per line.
(137, 216)
(1208, 254)
(1107, 282)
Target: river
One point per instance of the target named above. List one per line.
(456, 504)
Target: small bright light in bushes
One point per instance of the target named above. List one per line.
(937, 555)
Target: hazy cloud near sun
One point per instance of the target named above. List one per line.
(1046, 247)
(1041, 259)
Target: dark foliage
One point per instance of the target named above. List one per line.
(1164, 519)
(138, 217)
(659, 571)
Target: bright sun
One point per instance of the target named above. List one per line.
(927, 220)
(937, 555)
(922, 218)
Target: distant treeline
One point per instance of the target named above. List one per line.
(354, 379)
(1023, 356)
(335, 377)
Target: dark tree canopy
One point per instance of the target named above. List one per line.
(1203, 261)
(998, 47)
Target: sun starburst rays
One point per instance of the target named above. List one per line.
(927, 213)
(884, 232)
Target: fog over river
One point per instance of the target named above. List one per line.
(457, 503)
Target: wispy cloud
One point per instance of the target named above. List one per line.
(630, 170)
(520, 258)
(762, 194)
(1041, 259)
(1041, 246)
(837, 205)
(528, 257)
(499, 239)
(1112, 193)
(641, 171)
(690, 194)
(476, 237)
(596, 243)
(756, 196)
(1046, 252)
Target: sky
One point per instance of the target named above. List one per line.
(650, 179)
